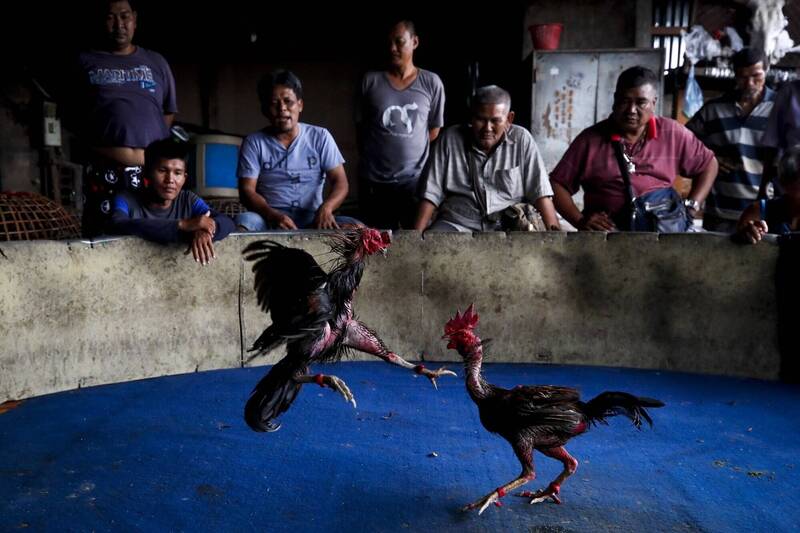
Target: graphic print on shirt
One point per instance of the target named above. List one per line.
(141, 75)
(405, 119)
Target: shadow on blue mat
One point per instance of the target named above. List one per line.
(173, 454)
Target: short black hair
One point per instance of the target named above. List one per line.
(408, 23)
(747, 57)
(636, 77)
(491, 94)
(278, 77)
(101, 6)
(164, 149)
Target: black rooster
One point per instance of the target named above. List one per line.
(312, 313)
(541, 417)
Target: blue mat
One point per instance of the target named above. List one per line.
(173, 454)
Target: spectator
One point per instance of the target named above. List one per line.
(401, 112)
(478, 170)
(283, 168)
(732, 126)
(163, 212)
(657, 149)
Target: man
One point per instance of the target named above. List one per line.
(402, 110)
(163, 212)
(656, 149)
(782, 132)
(283, 168)
(732, 126)
(128, 101)
(478, 170)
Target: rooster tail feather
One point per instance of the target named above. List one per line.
(608, 404)
(273, 394)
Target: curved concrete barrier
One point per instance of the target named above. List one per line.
(75, 314)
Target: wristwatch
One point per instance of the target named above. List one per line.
(694, 205)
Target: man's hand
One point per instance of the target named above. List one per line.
(281, 220)
(325, 218)
(199, 223)
(202, 248)
(596, 222)
(753, 230)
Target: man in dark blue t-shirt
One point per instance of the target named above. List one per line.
(163, 212)
(126, 100)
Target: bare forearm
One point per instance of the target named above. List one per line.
(424, 214)
(548, 212)
(565, 206)
(701, 184)
(256, 203)
(337, 195)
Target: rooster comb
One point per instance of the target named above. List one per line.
(460, 322)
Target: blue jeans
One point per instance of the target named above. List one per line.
(302, 218)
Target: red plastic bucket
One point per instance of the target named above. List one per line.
(546, 36)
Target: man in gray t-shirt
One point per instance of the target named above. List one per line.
(401, 112)
(478, 170)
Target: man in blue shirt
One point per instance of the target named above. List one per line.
(163, 212)
(125, 99)
(283, 168)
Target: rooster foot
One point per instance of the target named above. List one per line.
(541, 495)
(339, 386)
(483, 503)
(433, 375)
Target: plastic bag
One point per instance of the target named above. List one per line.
(693, 98)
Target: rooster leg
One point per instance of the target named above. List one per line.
(333, 382)
(524, 454)
(570, 466)
(360, 337)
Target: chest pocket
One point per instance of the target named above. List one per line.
(504, 189)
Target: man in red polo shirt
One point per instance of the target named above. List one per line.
(657, 150)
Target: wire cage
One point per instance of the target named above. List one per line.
(26, 216)
(227, 206)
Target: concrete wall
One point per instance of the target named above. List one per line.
(76, 314)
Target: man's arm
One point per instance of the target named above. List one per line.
(750, 227)
(337, 178)
(257, 203)
(169, 119)
(424, 214)
(433, 133)
(544, 206)
(701, 183)
(225, 225)
(566, 208)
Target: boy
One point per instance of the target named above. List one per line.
(163, 212)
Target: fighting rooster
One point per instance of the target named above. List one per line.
(541, 417)
(312, 312)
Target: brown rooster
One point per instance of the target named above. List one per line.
(541, 417)
(312, 312)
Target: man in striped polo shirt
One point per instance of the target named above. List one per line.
(732, 126)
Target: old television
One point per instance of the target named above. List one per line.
(212, 165)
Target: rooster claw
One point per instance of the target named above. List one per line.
(433, 375)
(541, 495)
(484, 503)
(341, 387)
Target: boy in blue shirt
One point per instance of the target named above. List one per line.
(163, 212)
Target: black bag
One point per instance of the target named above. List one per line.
(661, 210)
